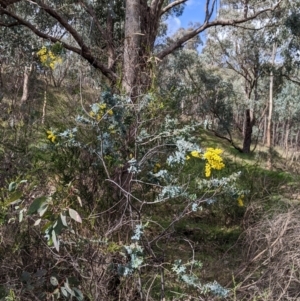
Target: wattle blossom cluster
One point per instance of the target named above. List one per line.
(99, 110)
(48, 58)
(51, 136)
(213, 158)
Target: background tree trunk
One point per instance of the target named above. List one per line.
(269, 124)
(27, 73)
(248, 125)
(1, 83)
(131, 47)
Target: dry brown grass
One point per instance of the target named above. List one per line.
(272, 259)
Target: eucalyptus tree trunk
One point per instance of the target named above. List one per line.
(274, 136)
(269, 124)
(131, 46)
(27, 73)
(264, 130)
(1, 83)
(248, 126)
(141, 27)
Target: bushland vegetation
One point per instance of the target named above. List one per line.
(135, 165)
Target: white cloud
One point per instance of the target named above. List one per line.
(174, 24)
(192, 3)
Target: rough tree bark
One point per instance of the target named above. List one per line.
(131, 46)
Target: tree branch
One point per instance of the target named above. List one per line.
(92, 13)
(62, 21)
(177, 44)
(171, 5)
(227, 139)
(208, 13)
(83, 51)
(295, 81)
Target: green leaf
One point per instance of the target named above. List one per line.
(67, 287)
(37, 222)
(46, 226)
(78, 294)
(79, 200)
(55, 240)
(53, 281)
(43, 208)
(12, 186)
(64, 291)
(75, 215)
(63, 219)
(21, 216)
(15, 198)
(58, 226)
(36, 204)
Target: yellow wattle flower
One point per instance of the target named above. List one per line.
(99, 116)
(51, 136)
(48, 58)
(196, 154)
(240, 201)
(214, 160)
(156, 168)
(207, 170)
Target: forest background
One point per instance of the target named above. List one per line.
(143, 164)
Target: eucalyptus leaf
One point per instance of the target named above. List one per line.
(20, 216)
(15, 198)
(53, 281)
(64, 291)
(46, 226)
(67, 287)
(79, 201)
(63, 219)
(75, 215)
(36, 204)
(12, 186)
(55, 240)
(58, 226)
(37, 222)
(78, 294)
(43, 208)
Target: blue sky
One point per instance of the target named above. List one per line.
(194, 12)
